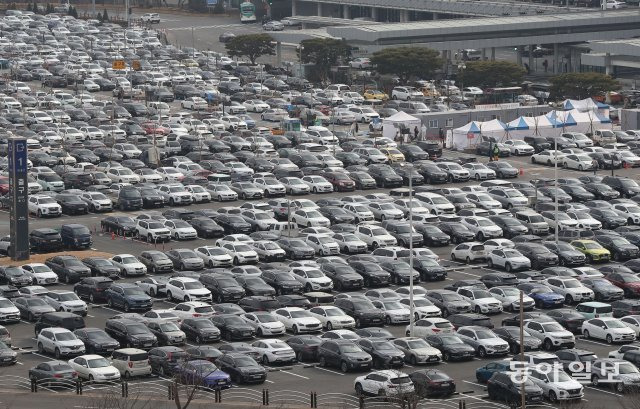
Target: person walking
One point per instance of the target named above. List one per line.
(415, 133)
(357, 129)
(423, 132)
(496, 152)
(442, 137)
(352, 129)
(545, 64)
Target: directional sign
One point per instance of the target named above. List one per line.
(136, 65)
(118, 65)
(18, 192)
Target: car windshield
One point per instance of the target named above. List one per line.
(65, 336)
(133, 291)
(67, 297)
(137, 329)
(192, 285)
(245, 362)
(552, 327)
(615, 324)
(349, 349)
(98, 363)
(401, 380)
(300, 314)
(169, 327)
(485, 334)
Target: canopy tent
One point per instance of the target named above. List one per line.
(395, 122)
(582, 105)
(468, 135)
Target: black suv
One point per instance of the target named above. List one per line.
(402, 231)
(470, 319)
(223, 287)
(538, 142)
(130, 333)
(60, 319)
(627, 187)
(343, 354)
(363, 311)
(44, 240)
(502, 387)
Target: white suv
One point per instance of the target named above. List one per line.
(552, 334)
(312, 279)
(60, 342)
(406, 93)
(66, 301)
(43, 205)
(187, 289)
(572, 289)
(375, 236)
(153, 231)
(481, 300)
(384, 383)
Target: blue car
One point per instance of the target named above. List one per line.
(543, 296)
(203, 373)
(127, 297)
(251, 123)
(485, 372)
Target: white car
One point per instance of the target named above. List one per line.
(510, 298)
(9, 313)
(509, 259)
(312, 279)
(242, 253)
(181, 230)
(578, 162)
(170, 174)
(268, 250)
(153, 286)
(298, 320)
(360, 62)
(479, 171)
(430, 326)
(194, 103)
(264, 323)
(519, 147)
(556, 384)
(619, 353)
(609, 329)
(175, 194)
(481, 300)
(630, 211)
(422, 308)
(193, 309)
(493, 244)
(123, 175)
(318, 184)
(94, 368)
(332, 317)
(98, 202)
(256, 105)
(40, 274)
(375, 236)
(470, 251)
(274, 351)
(129, 265)
(66, 301)
(387, 383)
(152, 231)
(584, 219)
(59, 342)
(484, 341)
(394, 311)
(552, 334)
(570, 288)
(349, 243)
(548, 157)
(559, 220)
(295, 186)
(436, 203)
(633, 322)
(213, 256)
(309, 218)
(323, 245)
(44, 206)
(274, 115)
(160, 316)
(406, 93)
(187, 289)
(221, 192)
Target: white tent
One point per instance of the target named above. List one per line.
(469, 135)
(392, 124)
(494, 128)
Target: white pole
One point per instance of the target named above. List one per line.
(411, 305)
(555, 171)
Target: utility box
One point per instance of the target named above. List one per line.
(629, 119)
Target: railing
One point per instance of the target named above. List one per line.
(161, 388)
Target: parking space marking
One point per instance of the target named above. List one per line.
(600, 390)
(329, 370)
(592, 342)
(474, 383)
(266, 380)
(294, 374)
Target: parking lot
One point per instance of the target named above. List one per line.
(300, 376)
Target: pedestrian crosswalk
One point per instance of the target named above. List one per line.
(205, 27)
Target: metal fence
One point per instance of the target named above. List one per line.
(160, 388)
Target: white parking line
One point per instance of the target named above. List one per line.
(600, 390)
(266, 380)
(474, 383)
(592, 342)
(329, 370)
(294, 374)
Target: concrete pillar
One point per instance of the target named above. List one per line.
(493, 53)
(519, 55)
(374, 13)
(608, 67)
(556, 58)
(294, 8)
(319, 9)
(346, 11)
(484, 54)
(531, 47)
(278, 53)
(404, 16)
(435, 16)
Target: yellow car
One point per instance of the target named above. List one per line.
(393, 154)
(375, 94)
(592, 249)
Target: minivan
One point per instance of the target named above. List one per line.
(594, 309)
(67, 320)
(76, 236)
(131, 362)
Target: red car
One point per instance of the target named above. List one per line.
(153, 128)
(340, 181)
(630, 283)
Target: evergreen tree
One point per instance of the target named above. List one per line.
(105, 15)
(35, 8)
(29, 7)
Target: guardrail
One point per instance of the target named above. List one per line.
(161, 388)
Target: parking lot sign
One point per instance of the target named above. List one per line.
(118, 65)
(18, 192)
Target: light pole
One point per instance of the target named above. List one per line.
(411, 305)
(555, 174)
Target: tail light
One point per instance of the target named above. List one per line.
(196, 315)
(58, 375)
(436, 330)
(130, 364)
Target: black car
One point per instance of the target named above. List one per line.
(502, 387)
(470, 319)
(165, 360)
(59, 319)
(92, 288)
(432, 383)
(511, 334)
(626, 186)
(68, 268)
(362, 310)
(336, 214)
(433, 148)
(343, 354)
(156, 261)
(233, 224)
(96, 341)
(372, 274)
(432, 235)
(72, 204)
(305, 346)
(578, 193)
(503, 169)
(622, 308)
(257, 303)
(282, 282)
(120, 225)
(602, 191)
(233, 327)
(567, 254)
(223, 287)
(363, 180)
(206, 352)
(619, 247)
(130, 333)
(344, 277)
(256, 286)
(457, 231)
(206, 228)
(150, 197)
(452, 347)
(385, 176)
(413, 153)
(200, 330)
(242, 368)
(294, 300)
(568, 318)
(44, 240)
(428, 268)
(102, 267)
(384, 354)
(539, 255)
(498, 279)
(14, 275)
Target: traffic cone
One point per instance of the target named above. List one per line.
(113, 236)
(521, 171)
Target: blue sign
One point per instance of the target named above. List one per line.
(18, 192)
(212, 2)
